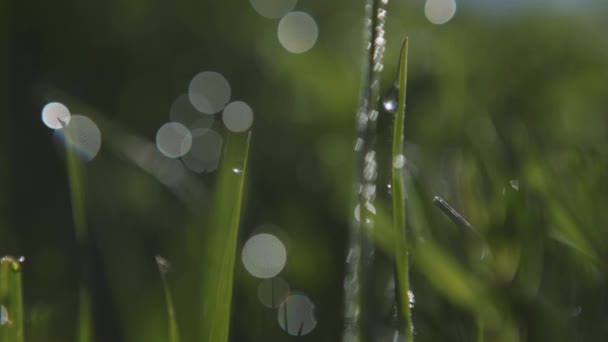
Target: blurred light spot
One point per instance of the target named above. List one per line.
(514, 184)
(389, 99)
(82, 135)
(399, 161)
(4, 315)
(411, 298)
(440, 11)
(55, 115)
(238, 116)
(209, 92)
(298, 32)
(297, 315)
(370, 207)
(183, 111)
(173, 139)
(163, 265)
(204, 155)
(273, 9)
(272, 292)
(264, 256)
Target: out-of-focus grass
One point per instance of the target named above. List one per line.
(163, 269)
(219, 248)
(11, 297)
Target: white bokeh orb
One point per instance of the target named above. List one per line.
(298, 32)
(296, 315)
(439, 12)
(209, 92)
(173, 139)
(55, 115)
(237, 116)
(264, 256)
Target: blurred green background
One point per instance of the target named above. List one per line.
(502, 92)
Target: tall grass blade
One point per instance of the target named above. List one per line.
(11, 298)
(221, 240)
(163, 269)
(360, 283)
(401, 247)
(75, 179)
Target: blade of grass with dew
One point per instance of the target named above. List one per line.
(401, 248)
(163, 268)
(11, 298)
(75, 179)
(221, 240)
(360, 283)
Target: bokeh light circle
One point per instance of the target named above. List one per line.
(439, 12)
(183, 111)
(238, 116)
(273, 9)
(173, 139)
(55, 115)
(298, 32)
(272, 292)
(209, 92)
(206, 150)
(81, 135)
(296, 315)
(264, 256)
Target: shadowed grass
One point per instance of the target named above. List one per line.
(221, 240)
(401, 248)
(11, 298)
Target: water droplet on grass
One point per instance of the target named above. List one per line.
(399, 161)
(389, 100)
(238, 168)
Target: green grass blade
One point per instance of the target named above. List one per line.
(75, 179)
(221, 240)
(163, 269)
(401, 248)
(11, 297)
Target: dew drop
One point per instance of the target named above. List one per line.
(399, 161)
(238, 168)
(389, 100)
